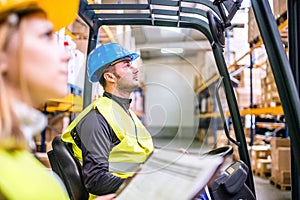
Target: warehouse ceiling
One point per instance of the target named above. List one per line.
(150, 38)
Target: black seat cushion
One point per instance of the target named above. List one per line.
(68, 168)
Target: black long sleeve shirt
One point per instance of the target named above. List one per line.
(98, 139)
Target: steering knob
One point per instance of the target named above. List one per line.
(221, 151)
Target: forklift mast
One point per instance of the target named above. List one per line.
(212, 18)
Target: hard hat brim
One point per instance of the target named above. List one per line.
(60, 13)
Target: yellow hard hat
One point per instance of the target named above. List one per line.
(60, 12)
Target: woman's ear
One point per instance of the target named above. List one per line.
(3, 62)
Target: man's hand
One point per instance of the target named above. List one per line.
(107, 197)
(182, 150)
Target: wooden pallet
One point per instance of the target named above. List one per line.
(268, 104)
(262, 174)
(277, 184)
(262, 167)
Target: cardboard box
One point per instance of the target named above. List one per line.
(264, 165)
(285, 177)
(274, 173)
(282, 159)
(276, 143)
(43, 158)
(279, 7)
(253, 31)
(263, 168)
(200, 134)
(279, 142)
(55, 126)
(258, 152)
(281, 177)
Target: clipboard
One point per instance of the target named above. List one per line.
(170, 174)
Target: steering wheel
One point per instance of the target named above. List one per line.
(221, 151)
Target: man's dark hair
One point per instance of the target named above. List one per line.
(109, 68)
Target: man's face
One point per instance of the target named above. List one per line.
(127, 76)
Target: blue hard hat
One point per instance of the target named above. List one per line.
(102, 56)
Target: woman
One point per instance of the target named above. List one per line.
(33, 69)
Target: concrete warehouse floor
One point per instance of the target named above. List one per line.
(264, 189)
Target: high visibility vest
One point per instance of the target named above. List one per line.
(135, 141)
(24, 177)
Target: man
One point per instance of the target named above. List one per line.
(107, 136)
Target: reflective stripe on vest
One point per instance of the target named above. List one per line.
(135, 141)
(116, 167)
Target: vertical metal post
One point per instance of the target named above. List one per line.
(87, 92)
(227, 34)
(215, 119)
(236, 118)
(284, 80)
(43, 134)
(251, 98)
(294, 39)
(294, 45)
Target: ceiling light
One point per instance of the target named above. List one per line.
(171, 50)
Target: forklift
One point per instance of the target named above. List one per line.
(214, 18)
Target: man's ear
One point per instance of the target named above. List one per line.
(109, 77)
(3, 62)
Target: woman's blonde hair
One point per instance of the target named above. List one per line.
(11, 136)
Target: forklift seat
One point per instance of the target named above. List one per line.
(68, 169)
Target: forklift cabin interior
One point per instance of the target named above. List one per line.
(212, 19)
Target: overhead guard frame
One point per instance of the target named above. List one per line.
(95, 20)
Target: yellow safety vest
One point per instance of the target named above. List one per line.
(135, 141)
(24, 177)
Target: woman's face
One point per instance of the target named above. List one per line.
(43, 61)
